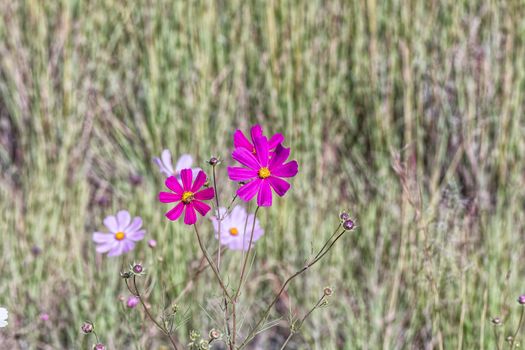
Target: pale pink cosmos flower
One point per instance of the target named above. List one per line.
(166, 166)
(236, 228)
(122, 236)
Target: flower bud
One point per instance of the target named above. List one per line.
(344, 216)
(87, 328)
(521, 299)
(496, 321)
(125, 275)
(137, 269)
(99, 346)
(152, 243)
(214, 161)
(328, 291)
(348, 225)
(132, 302)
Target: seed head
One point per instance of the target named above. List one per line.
(328, 291)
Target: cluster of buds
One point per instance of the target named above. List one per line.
(197, 343)
(348, 223)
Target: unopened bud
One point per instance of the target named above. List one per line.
(214, 161)
(99, 346)
(496, 321)
(521, 299)
(152, 243)
(87, 328)
(348, 225)
(125, 275)
(344, 216)
(138, 269)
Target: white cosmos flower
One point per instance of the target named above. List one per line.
(3, 317)
(166, 166)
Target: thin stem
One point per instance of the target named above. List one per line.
(210, 261)
(246, 255)
(163, 329)
(219, 217)
(318, 257)
(518, 329)
(300, 323)
(496, 337)
(234, 299)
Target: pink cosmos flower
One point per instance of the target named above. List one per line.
(124, 233)
(239, 140)
(188, 196)
(233, 233)
(166, 166)
(262, 173)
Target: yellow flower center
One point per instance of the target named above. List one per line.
(119, 236)
(264, 172)
(234, 231)
(187, 197)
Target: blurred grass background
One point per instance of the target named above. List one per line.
(407, 113)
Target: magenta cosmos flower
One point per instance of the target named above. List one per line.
(233, 233)
(124, 233)
(188, 196)
(166, 166)
(239, 140)
(262, 173)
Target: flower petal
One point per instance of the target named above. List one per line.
(289, 169)
(279, 157)
(111, 223)
(173, 184)
(264, 198)
(106, 247)
(239, 140)
(249, 190)
(174, 213)
(236, 173)
(136, 235)
(123, 219)
(186, 177)
(185, 161)
(261, 149)
(135, 224)
(205, 194)
(99, 237)
(166, 161)
(168, 197)
(190, 217)
(161, 166)
(276, 140)
(279, 185)
(256, 131)
(246, 158)
(201, 207)
(199, 181)
(118, 249)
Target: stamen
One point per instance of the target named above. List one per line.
(264, 172)
(119, 236)
(187, 197)
(234, 231)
